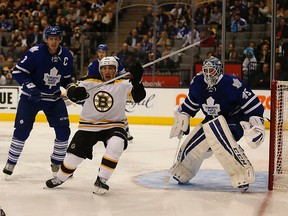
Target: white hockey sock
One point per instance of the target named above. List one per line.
(114, 149)
(68, 166)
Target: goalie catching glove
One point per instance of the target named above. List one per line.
(181, 124)
(77, 93)
(254, 131)
(137, 73)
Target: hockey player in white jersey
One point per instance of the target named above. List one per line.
(102, 119)
(231, 111)
(93, 72)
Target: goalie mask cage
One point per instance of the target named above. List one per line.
(278, 153)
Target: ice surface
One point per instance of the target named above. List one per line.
(136, 187)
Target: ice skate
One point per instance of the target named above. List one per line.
(100, 186)
(54, 182)
(8, 169)
(243, 188)
(129, 136)
(54, 168)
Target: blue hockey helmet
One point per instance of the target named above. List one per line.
(102, 47)
(52, 31)
(212, 70)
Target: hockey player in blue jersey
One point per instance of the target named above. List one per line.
(41, 72)
(93, 72)
(231, 111)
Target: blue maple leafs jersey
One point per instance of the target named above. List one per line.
(48, 72)
(93, 68)
(230, 97)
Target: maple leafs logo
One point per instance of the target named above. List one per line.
(52, 79)
(211, 108)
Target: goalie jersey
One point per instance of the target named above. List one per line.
(230, 97)
(105, 108)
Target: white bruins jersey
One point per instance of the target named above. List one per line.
(105, 108)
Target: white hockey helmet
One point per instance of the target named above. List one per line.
(212, 70)
(108, 60)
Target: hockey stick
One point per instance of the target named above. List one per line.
(167, 178)
(148, 64)
(155, 61)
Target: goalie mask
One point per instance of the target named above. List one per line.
(212, 70)
(108, 61)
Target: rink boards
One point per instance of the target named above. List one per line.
(156, 109)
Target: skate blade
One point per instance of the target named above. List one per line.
(100, 191)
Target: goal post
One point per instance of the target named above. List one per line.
(278, 151)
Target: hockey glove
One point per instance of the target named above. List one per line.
(137, 73)
(76, 93)
(30, 88)
(181, 124)
(254, 131)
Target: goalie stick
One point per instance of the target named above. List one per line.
(167, 178)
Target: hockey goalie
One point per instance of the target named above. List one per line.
(231, 111)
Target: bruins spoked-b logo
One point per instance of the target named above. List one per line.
(103, 101)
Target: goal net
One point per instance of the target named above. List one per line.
(278, 158)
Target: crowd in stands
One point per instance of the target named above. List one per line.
(22, 24)
(176, 27)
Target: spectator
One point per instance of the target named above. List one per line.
(139, 55)
(280, 74)
(133, 39)
(35, 37)
(76, 41)
(5, 25)
(239, 24)
(125, 56)
(249, 66)
(164, 39)
(264, 13)
(18, 54)
(176, 12)
(264, 56)
(6, 73)
(97, 5)
(263, 77)
(218, 51)
(146, 44)
(282, 29)
(216, 17)
(162, 16)
(204, 19)
(110, 6)
(188, 39)
(209, 42)
(234, 58)
(166, 67)
(181, 30)
(175, 58)
(149, 17)
(229, 51)
(141, 31)
(15, 39)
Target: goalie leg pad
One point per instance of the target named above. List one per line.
(190, 156)
(230, 155)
